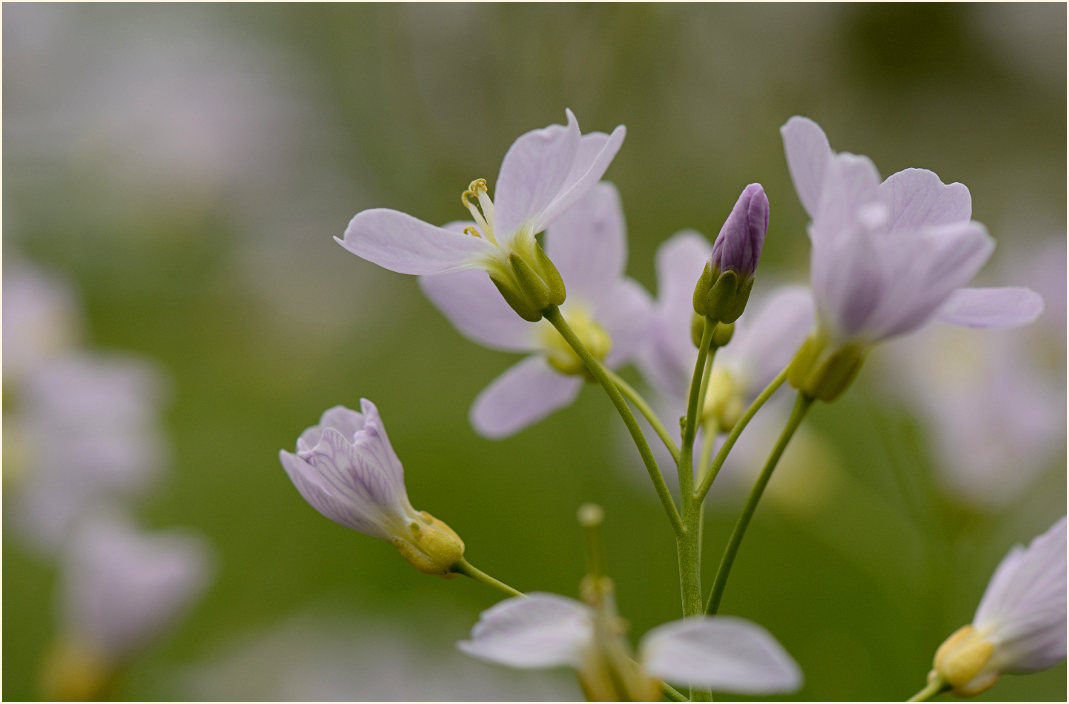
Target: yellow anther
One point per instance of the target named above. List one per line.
(474, 189)
(469, 230)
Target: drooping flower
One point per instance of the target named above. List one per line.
(887, 258)
(1019, 626)
(347, 470)
(722, 653)
(607, 311)
(120, 590)
(761, 346)
(724, 287)
(544, 172)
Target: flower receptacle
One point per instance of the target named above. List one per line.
(962, 661)
(431, 546)
(824, 372)
(529, 284)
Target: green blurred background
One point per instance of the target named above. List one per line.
(187, 166)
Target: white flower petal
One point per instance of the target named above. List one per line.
(524, 394)
(331, 502)
(539, 630)
(532, 174)
(596, 152)
(850, 200)
(588, 243)
(808, 154)
(918, 199)
(475, 307)
(399, 242)
(1023, 608)
(722, 653)
(1002, 307)
(123, 588)
(625, 315)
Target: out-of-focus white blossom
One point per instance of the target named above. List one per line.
(42, 319)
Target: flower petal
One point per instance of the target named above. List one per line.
(1023, 608)
(524, 394)
(625, 314)
(539, 630)
(918, 199)
(596, 152)
(588, 243)
(1002, 307)
(808, 154)
(532, 174)
(722, 653)
(332, 503)
(399, 242)
(475, 307)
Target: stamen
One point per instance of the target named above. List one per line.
(481, 211)
(469, 230)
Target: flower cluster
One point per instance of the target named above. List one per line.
(540, 269)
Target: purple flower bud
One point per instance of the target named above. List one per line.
(738, 246)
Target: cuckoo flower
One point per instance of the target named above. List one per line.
(887, 258)
(347, 470)
(120, 590)
(761, 346)
(607, 311)
(1019, 626)
(543, 173)
(545, 630)
(724, 287)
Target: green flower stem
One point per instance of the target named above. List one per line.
(801, 407)
(937, 686)
(553, 315)
(468, 570)
(672, 693)
(709, 474)
(644, 408)
(688, 543)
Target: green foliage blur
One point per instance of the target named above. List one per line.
(203, 239)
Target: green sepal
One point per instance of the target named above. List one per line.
(516, 300)
(721, 295)
(823, 373)
(551, 277)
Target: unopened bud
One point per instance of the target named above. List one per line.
(722, 332)
(725, 283)
(432, 546)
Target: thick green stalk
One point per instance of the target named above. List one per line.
(556, 319)
(801, 407)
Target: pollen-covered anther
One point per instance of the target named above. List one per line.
(482, 210)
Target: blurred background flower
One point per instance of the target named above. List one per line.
(185, 167)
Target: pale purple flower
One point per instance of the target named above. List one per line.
(543, 173)
(1019, 626)
(42, 319)
(762, 345)
(609, 312)
(347, 470)
(738, 246)
(121, 588)
(720, 652)
(889, 257)
(86, 431)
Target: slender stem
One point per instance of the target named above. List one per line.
(709, 475)
(937, 686)
(673, 693)
(469, 570)
(644, 408)
(553, 315)
(688, 543)
(801, 407)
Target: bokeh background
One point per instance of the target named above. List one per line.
(185, 167)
